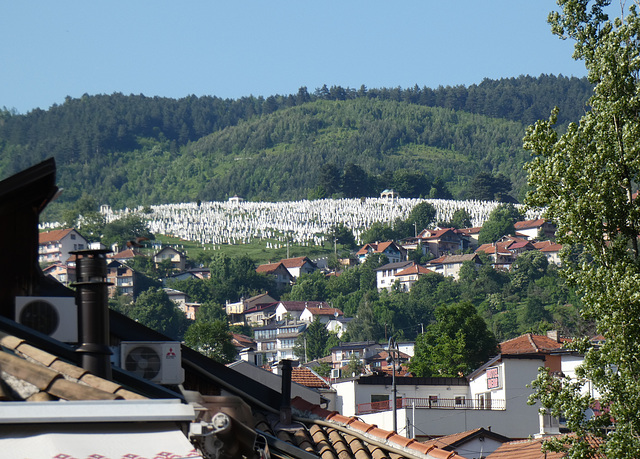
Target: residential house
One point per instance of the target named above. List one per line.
(57, 245)
(261, 314)
(500, 255)
(536, 229)
(394, 252)
(292, 310)
(65, 273)
(442, 241)
(409, 276)
(449, 265)
(178, 297)
(321, 312)
(472, 235)
(341, 354)
(125, 255)
(178, 259)
(386, 274)
(278, 272)
(123, 279)
(236, 311)
(380, 362)
(276, 341)
(551, 250)
(299, 265)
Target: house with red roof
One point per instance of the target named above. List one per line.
(321, 312)
(551, 250)
(57, 245)
(499, 253)
(394, 252)
(386, 274)
(292, 310)
(299, 265)
(536, 229)
(409, 276)
(442, 241)
(278, 272)
(449, 265)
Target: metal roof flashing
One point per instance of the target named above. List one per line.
(99, 411)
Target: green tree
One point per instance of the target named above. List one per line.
(342, 235)
(354, 367)
(460, 219)
(586, 179)
(125, 229)
(154, 309)
(420, 217)
(487, 187)
(212, 339)
(456, 344)
(499, 223)
(311, 344)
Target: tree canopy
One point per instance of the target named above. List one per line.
(586, 178)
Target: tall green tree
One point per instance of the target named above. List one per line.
(456, 344)
(154, 309)
(311, 344)
(586, 179)
(212, 339)
(500, 223)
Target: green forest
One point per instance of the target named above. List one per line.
(135, 150)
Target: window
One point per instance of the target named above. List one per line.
(379, 398)
(460, 401)
(73, 237)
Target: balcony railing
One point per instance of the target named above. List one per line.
(440, 404)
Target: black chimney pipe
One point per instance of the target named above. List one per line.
(93, 311)
(285, 404)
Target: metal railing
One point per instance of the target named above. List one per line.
(459, 403)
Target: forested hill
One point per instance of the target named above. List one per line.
(130, 150)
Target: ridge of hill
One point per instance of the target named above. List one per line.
(137, 150)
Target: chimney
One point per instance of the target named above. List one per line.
(554, 335)
(285, 404)
(93, 311)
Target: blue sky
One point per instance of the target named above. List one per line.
(53, 49)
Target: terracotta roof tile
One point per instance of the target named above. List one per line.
(53, 236)
(529, 344)
(529, 224)
(294, 262)
(268, 268)
(306, 377)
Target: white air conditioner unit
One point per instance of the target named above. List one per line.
(51, 315)
(157, 361)
(335, 373)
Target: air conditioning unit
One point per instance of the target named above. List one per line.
(54, 316)
(157, 361)
(335, 373)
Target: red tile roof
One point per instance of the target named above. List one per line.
(551, 248)
(126, 254)
(269, 268)
(415, 269)
(324, 311)
(53, 236)
(529, 224)
(306, 377)
(532, 449)
(529, 344)
(294, 262)
(349, 437)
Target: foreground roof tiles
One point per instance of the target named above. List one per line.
(337, 436)
(32, 374)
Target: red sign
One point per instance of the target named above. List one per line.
(493, 378)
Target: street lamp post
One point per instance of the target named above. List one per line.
(393, 350)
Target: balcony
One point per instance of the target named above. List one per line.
(438, 404)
